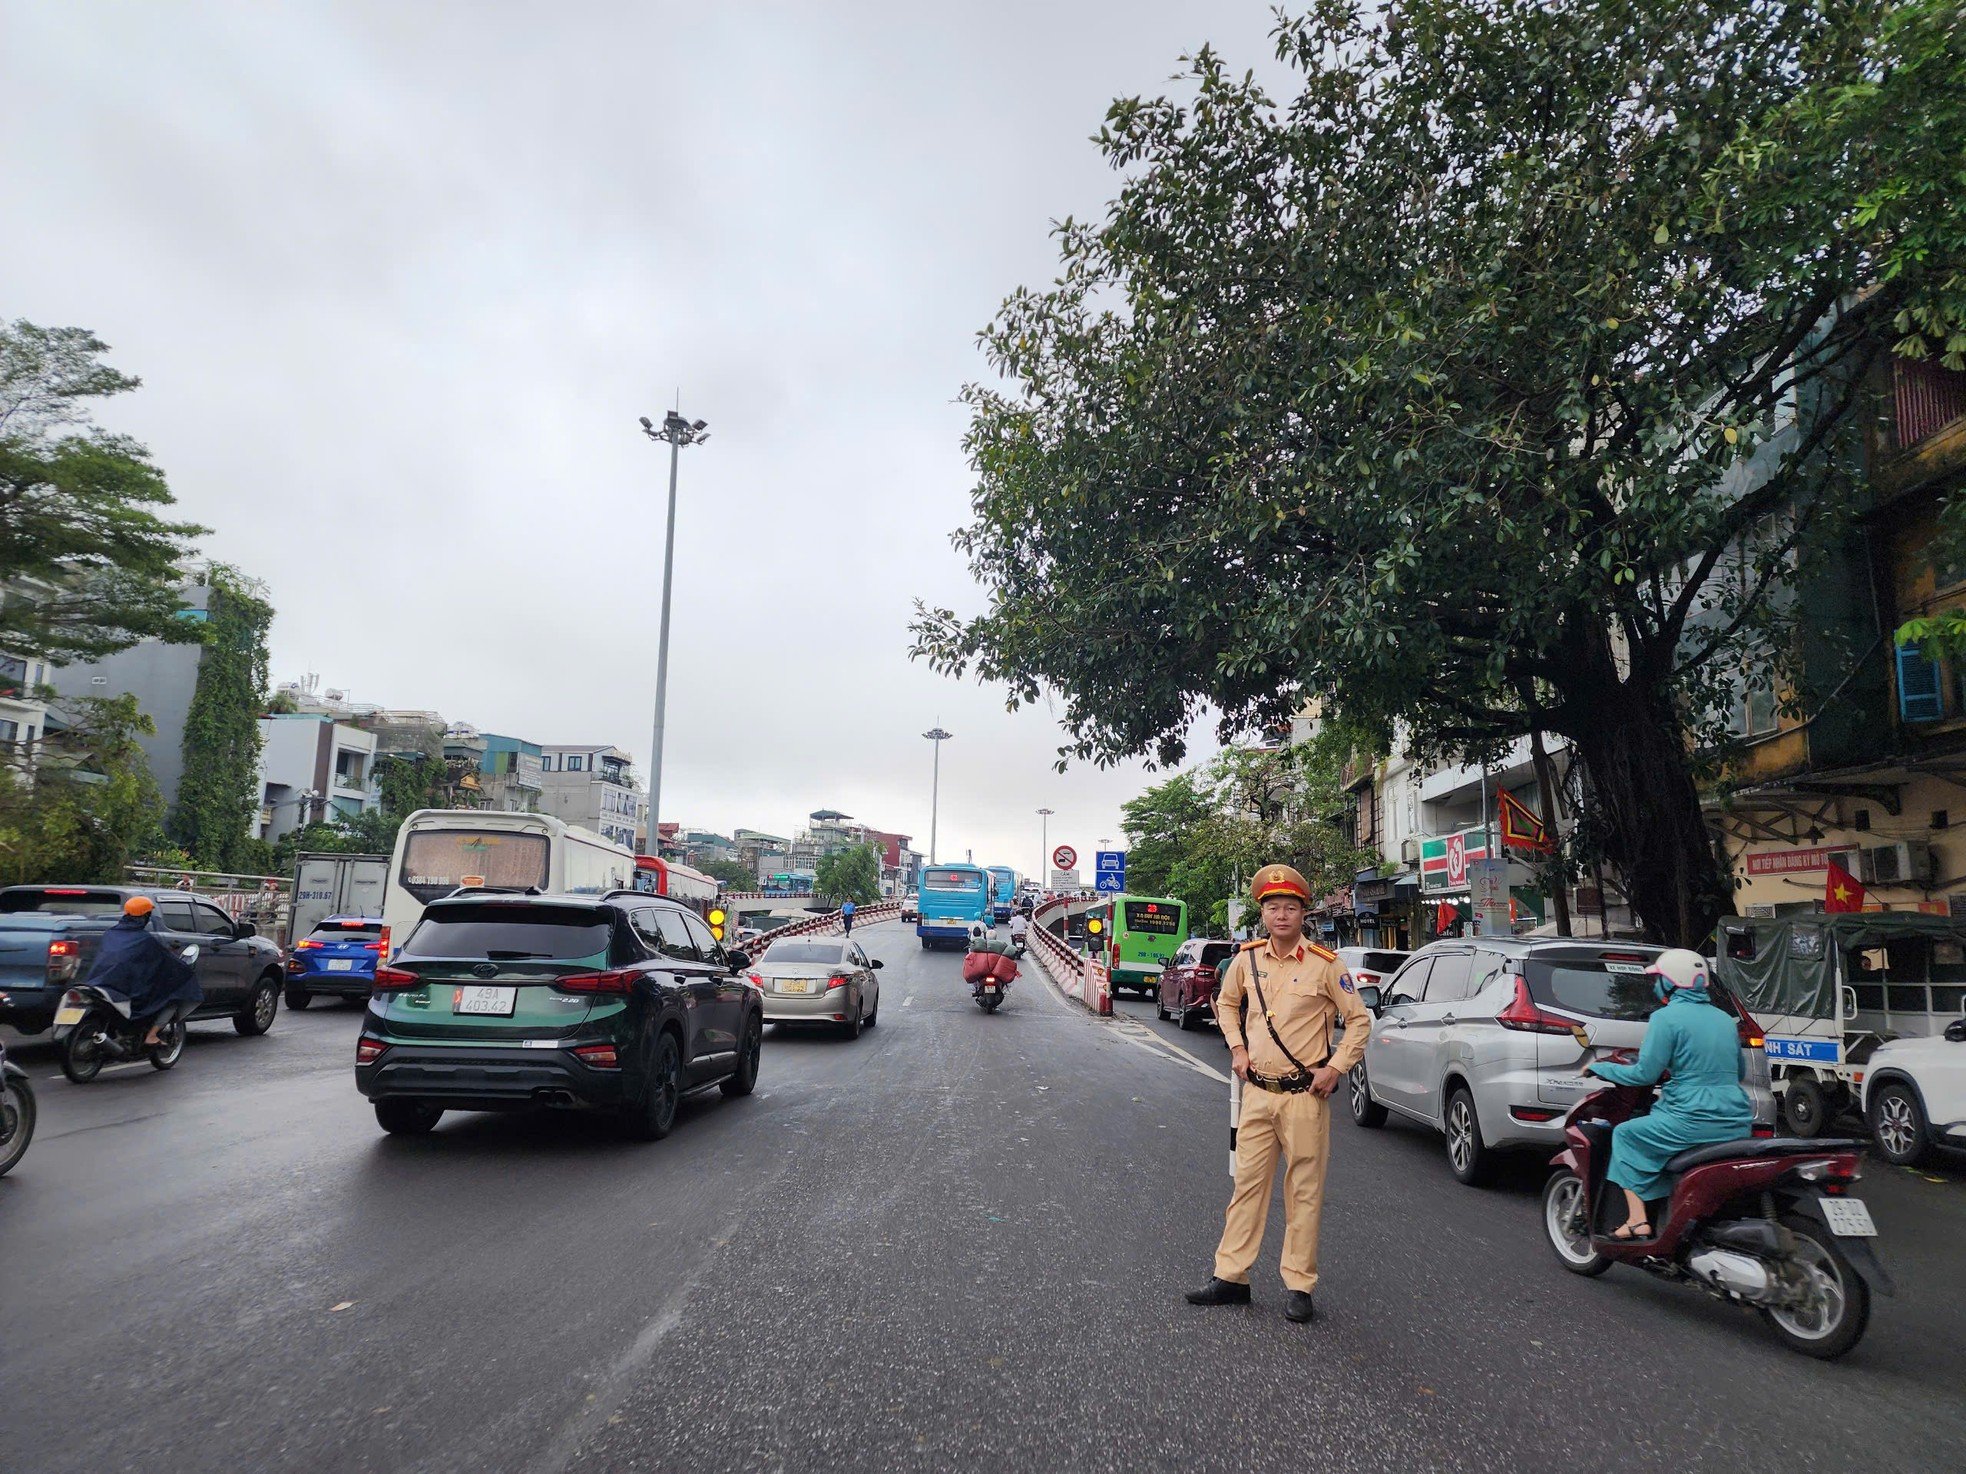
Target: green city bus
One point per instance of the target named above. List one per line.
(1136, 937)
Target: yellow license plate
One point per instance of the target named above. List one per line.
(68, 1013)
(792, 985)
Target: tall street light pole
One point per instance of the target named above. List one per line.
(938, 737)
(1044, 842)
(677, 432)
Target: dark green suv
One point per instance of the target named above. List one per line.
(498, 1001)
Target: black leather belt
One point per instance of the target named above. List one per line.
(1292, 1084)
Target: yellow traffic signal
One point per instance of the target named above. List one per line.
(716, 917)
(1095, 926)
(717, 932)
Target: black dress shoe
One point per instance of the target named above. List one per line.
(1297, 1306)
(1220, 1292)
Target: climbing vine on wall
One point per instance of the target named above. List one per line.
(218, 796)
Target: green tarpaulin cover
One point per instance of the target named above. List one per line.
(1787, 965)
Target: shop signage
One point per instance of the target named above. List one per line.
(1444, 859)
(1373, 890)
(1488, 889)
(1785, 862)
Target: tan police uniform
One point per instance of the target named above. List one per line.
(1308, 992)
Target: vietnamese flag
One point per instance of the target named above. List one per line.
(1844, 892)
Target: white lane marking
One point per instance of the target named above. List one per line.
(909, 1001)
(1141, 1037)
(135, 1064)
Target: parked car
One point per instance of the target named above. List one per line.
(911, 906)
(337, 959)
(1473, 1037)
(1914, 1095)
(1371, 966)
(501, 1001)
(1188, 984)
(807, 980)
(49, 933)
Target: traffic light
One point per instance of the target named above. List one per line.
(717, 923)
(1094, 927)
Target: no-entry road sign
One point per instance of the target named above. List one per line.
(1065, 857)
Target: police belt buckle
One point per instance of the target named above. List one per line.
(1292, 1084)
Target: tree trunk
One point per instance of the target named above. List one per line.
(1640, 778)
(1546, 788)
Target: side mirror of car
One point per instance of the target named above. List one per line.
(738, 961)
(877, 963)
(243, 929)
(1368, 994)
(1956, 1031)
(190, 953)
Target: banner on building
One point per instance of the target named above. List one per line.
(1522, 830)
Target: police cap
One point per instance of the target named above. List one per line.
(1279, 880)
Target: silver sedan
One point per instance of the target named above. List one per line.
(813, 980)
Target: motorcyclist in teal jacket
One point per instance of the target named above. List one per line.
(1696, 1046)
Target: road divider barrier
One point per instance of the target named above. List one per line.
(1077, 979)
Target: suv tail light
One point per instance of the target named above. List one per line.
(599, 1056)
(64, 959)
(1751, 1035)
(595, 982)
(394, 980)
(1523, 1014)
(309, 945)
(380, 945)
(368, 1049)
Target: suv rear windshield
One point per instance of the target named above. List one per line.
(1614, 988)
(510, 934)
(64, 901)
(1161, 918)
(436, 861)
(345, 931)
(821, 952)
(1217, 954)
(1386, 963)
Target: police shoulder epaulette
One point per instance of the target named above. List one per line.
(1251, 946)
(1323, 953)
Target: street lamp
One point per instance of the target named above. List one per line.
(1044, 842)
(938, 737)
(677, 432)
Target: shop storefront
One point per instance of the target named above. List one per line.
(1445, 895)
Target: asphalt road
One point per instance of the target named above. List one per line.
(958, 1242)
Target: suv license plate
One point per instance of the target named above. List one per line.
(340, 964)
(477, 998)
(1848, 1218)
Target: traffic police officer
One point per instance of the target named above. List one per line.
(1281, 1048)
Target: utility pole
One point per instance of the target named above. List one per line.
(677, 432)
(1044, 845)
(936, 735)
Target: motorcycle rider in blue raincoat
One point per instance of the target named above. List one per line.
(1696, 1046)
(133, 960)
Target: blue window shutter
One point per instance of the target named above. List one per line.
(1920, 696)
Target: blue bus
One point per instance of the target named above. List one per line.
(954, 898)
(1003, 891)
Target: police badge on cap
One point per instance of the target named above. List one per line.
(1279, 880)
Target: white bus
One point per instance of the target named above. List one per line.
(439, 850)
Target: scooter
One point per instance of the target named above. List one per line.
(93, 1027)
(989, 975)
(16, 1112)
(1764, 1223)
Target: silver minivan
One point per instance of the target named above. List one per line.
(1474, 1038)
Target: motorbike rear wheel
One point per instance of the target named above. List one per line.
(81, 1055)
(1839, 1309)
(1563, 1221)
(171, 1048)
(17, 1112)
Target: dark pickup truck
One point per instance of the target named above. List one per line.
(48, 936)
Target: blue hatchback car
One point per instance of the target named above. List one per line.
(336, 960)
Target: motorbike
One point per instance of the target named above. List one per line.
(1765, 1223)
(989, 975)
(93, 1028)
(17, 1112)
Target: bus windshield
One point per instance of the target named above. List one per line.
(438, 861)
(1153, 916)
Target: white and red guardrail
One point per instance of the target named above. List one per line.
(823, 924)
(1076, 976)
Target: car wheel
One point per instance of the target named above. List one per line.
(1466, 1153)
(851, 1028)
(1833, 1304)
(1803, 1107)
(170, 1046)
(874, 1016)
(748, 1055)
(1187, 1019)
(298, 997)
(261, 1008)
(1563, 1221)
(407, 1117)
(1358, 1093)
(1897, 1123)
(1160, 1007)
(654, 1116)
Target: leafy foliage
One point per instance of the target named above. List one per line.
(1201, 836)
(852, 874)
(733, 873)
(79, 506)
(1501, 379)
(218, 795)
(92, 805)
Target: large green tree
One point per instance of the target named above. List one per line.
(1501, 378)
(219, 793)
(91, 805)
(79, 507)
(852, 874)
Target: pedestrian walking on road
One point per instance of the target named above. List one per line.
(846, 916)
(1282, 1051)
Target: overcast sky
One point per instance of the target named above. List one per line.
(400, 277)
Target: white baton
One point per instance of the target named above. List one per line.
(1235, 1115)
